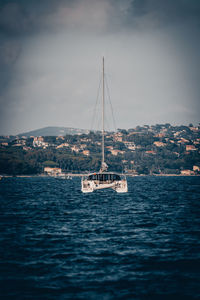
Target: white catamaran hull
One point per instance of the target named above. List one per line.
(89, 186)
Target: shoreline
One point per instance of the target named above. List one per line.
(83, 174)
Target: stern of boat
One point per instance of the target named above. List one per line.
(121, 186)
(87, 186)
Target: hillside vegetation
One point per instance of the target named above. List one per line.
(159, 149)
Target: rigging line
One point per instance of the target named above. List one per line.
(98, 124)
(114, 123)
(95, 107)
(107, 124)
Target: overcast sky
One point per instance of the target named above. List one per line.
(51, 55)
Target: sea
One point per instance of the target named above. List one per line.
(58, 243)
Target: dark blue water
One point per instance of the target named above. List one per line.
(57, 243)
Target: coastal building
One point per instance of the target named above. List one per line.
(39, 142)
(83, 146)
(39, 139)
(75, 148)
(60, 137)
(109, 147)
(86, 152)
(187, 172)
(115, 152)
(26, 148)
(124, 161)
(17, 145)
(151, 152)
(52, 171)
(118, 137)
(19, 142)
(160, 135)
(196, 142)
(194, 129)
(159, 144)
(183, 141)
(62, 145)
(196, 168)
(85, 140)
(130, 145)
(190, 148)
(176, 133)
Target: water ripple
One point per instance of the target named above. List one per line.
(57, 243)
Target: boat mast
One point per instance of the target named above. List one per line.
(103, 104)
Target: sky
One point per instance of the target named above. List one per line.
(51, 62)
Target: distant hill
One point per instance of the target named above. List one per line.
(53, 131)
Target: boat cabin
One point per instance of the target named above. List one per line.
(104, 177)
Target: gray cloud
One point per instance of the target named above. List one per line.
(166, 12)
(50, 57)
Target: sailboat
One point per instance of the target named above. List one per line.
(104, 179)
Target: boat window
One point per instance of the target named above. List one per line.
(104, 177)
(93, 177)
(116, 177)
